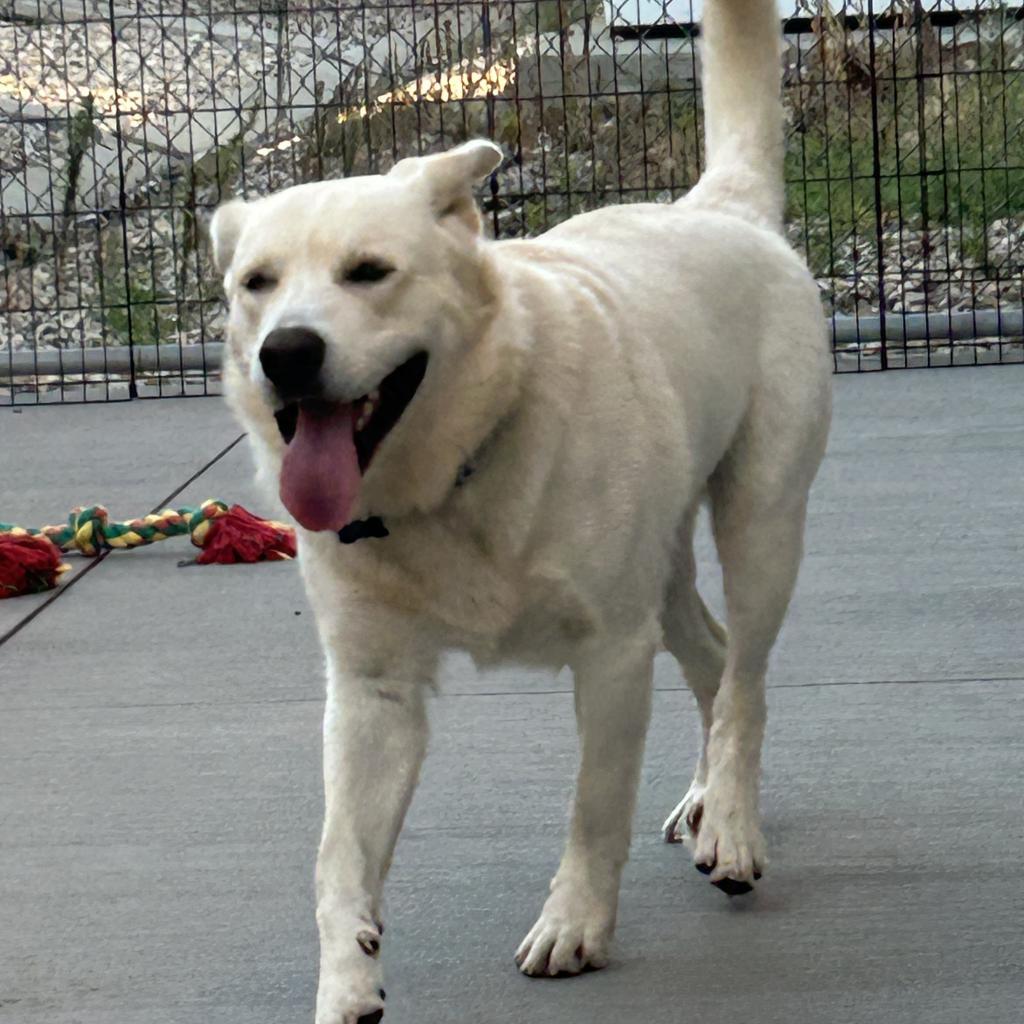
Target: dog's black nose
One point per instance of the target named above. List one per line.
(291, 358)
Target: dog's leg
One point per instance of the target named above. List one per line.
(697, 641)
(375, 737)
(759, 544)
(613, 694)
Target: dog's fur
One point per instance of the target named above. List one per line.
(602, 381)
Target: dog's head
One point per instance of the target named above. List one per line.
(351, 302)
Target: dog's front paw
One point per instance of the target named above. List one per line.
(350, 989)
(572, 934)
(349, 999)
(728, 846)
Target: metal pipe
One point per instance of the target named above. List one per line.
(111, 359)
(900, 327)
(846, 330)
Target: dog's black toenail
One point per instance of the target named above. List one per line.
(705, 869)
(733, 888)
(371, 1018)
(382, 993)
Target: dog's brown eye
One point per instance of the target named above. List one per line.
(368, 272)
(258, 282)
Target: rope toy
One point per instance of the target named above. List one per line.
(30, 559)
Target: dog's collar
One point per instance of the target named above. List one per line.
(373, 526)
(360, 529)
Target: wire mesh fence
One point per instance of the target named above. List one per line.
(122, 126)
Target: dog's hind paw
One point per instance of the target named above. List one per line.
(729, 849)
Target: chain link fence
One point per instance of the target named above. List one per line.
(122, 126)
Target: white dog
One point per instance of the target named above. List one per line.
(502, 447)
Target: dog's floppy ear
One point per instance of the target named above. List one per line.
(225, 229)
(449, 178)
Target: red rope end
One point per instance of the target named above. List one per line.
(28, 564)
(239, 536)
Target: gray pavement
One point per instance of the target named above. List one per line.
(159, 743)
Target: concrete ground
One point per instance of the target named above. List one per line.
(159, 744)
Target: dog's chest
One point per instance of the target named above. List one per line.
(496, 602)
(554, 615)
(480, 583)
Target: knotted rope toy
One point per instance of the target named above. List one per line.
(30, 559)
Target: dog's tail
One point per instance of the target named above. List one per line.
(743, 118)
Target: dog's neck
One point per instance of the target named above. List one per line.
(471, 394)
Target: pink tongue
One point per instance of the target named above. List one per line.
(320, 475)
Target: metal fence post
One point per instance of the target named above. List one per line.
(876, 170)
(122, 202)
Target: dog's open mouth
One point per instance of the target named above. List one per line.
(331, 445)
